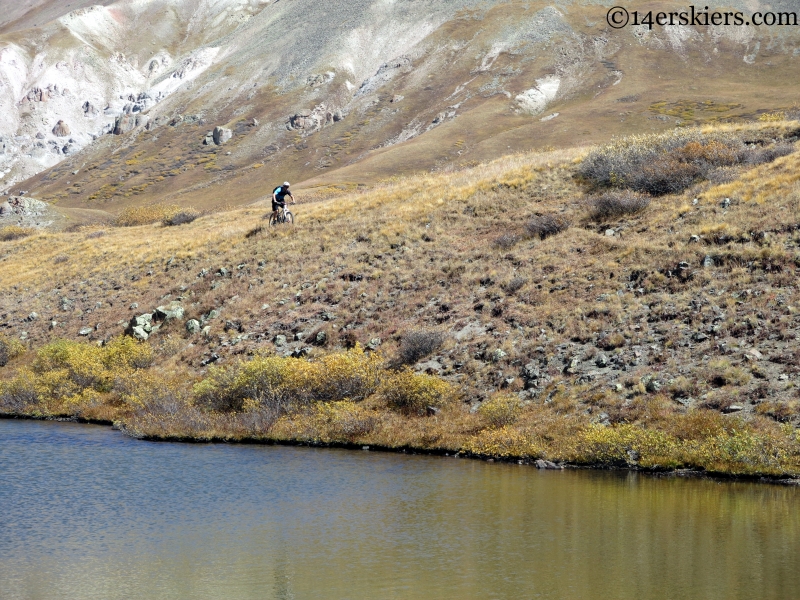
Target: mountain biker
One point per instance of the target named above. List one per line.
(279, 198)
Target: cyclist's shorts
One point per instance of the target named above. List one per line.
(277, 205)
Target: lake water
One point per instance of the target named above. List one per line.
(86, 512)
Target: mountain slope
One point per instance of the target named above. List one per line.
(341, 93)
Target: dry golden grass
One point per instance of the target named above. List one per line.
(420, 253)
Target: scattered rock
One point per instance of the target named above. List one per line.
(193, 326)
(572, 366)
(601, 361)
(733, 408)
(234, 326)
(754, 354)
(85, 331)
(708, 262)
(31, 317)
(546, 464)
(280, 340)
(321, 338)
(652, 385)
(374, 344)
(498, 355)
(61, 129)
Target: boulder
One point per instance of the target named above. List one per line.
(222, 135)
(61, 129)
(193, 326)
(171, 311)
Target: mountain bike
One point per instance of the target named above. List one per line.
(283, 216)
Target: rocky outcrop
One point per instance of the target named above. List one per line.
(128, 122)
(313, 120)
(61, 129)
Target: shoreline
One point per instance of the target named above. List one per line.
(411, 450)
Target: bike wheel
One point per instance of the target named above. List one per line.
(289, 218)
(273, 220)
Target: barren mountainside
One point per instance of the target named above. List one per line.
(109, 105)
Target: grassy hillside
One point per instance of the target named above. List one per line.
(540, 306)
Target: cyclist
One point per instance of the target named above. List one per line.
(279, 198)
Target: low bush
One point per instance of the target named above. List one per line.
(281, 384)
(18, 394)
(500, 410)
(10, 348)
(417, 345)
(507, 240)
(514, 285)
(544, 226)
(67, 374)
(783, 412)
(181, 218)
(611, 341)
(670, 162)
(412, 394)
(14, 232)
(613, 205)
(144, 215)
(720, 373)
(344, 420)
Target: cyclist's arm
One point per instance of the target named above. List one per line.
(292, 197)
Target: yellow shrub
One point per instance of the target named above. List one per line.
(500, 410)
(19, 393)
(411, 393)
(281, 383)
(10, 348)
(504, 442)
(344, 421)
(65, 368)
(625, 444)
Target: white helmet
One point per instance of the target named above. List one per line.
(285, 184)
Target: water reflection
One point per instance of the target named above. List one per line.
(88, 513)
